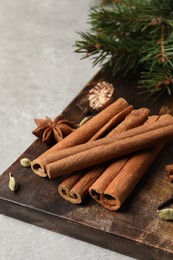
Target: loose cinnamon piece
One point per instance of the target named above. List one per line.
(81, 135)
(75, 187)
(119, 179)
(166, 120)
(110, 151)
(169, 171)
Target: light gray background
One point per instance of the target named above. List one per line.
(39, 75)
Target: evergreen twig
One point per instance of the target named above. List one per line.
(133, 36)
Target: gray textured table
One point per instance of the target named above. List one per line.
(39, 75)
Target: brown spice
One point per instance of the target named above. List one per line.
(108, 151)
(129, 176)
(61, 154)
(80, 135)
(75, 187)
(50, 131)
(120, 178)
(100, 95)
(166, 121)
(112, 122)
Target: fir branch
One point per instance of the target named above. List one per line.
(133, 36)
(162, 43)
(157, 79)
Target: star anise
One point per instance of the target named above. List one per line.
(50, 131)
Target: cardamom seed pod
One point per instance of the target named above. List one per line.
(84, 120)
(166, 214)
(13, 185)
(25, 162)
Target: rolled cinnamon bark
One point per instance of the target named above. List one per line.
(110, 151)
(134, 119)
(104, 190)
(165, 121)
(61, 154)
(124, 183)
(116, 119)
(169, 171)
(77, 190)
(99, 186)
(80, 135)
(67, 184)
(74, 188)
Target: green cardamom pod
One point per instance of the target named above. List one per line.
(25, 162)
(166, 214)
(84, 120)
(13, 185)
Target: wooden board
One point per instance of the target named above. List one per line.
(134, 230)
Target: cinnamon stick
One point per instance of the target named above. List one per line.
(80, 135)
(166, 120)
(169, 171)
(111, 123)
(67, 184)
(119, 179)
(135, 118)
(128, 177)
(99, 186)
(119, 117)
(103, 153)
(75, 187)
(76, 190)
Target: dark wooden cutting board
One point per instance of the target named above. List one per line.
(134, 230)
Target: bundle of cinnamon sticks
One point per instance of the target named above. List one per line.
(108, 155)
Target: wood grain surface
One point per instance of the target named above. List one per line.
(134, 230)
